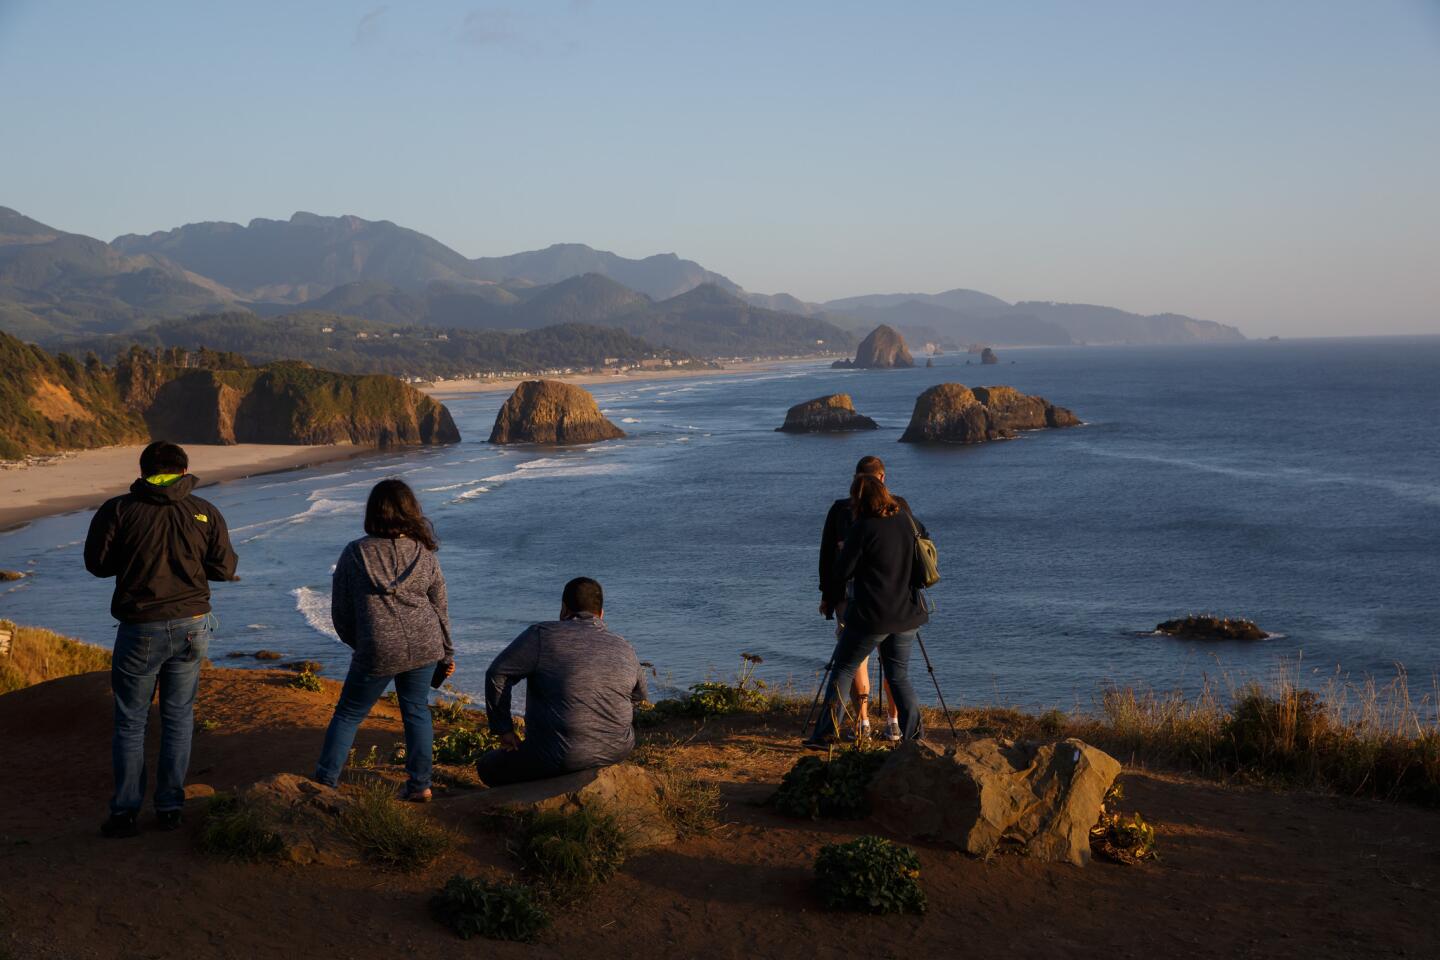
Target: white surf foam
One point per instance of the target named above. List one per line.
(630, 420)
(314, 606)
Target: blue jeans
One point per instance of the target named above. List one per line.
(170, 652)
(850, 651)
(359, 694)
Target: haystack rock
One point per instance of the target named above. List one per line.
(954, 413)
(832, 414)
(548, 411)
(988, 356)
(883, 349)
(1044, 797)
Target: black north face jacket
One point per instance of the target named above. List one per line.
(161, 545)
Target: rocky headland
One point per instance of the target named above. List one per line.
(832, 414)
(549, 411)
(955, 413)
(883, 349)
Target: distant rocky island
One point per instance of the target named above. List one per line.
(549, 411)
(831, 414)
(988, 356)
(1206, 627)
(50, 403)
(955, 413)
(884, 348)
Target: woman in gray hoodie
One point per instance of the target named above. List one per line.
(388, 603)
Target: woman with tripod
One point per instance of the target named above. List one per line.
(886, 612)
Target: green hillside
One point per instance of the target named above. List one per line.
(50, 403)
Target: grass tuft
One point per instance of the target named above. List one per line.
(235, 830)
(571, 853)
(389, 834)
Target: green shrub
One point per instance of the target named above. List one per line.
(464, 745)
(1123, 839)
(572, 853)
(236, 831)
(869, 874)
(388, 833)
(831, 786)
(498, 911)
(713, 698)
(307, 681)
(455, 710)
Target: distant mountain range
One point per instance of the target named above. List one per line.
(56, 286)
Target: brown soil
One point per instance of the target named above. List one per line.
(1245, 873)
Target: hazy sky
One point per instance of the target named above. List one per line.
(1270, 164)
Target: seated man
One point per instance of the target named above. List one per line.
(582, 684)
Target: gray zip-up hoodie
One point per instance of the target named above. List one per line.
(387, 601)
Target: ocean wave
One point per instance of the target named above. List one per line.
(471, 494)
(554, 467)
(630, 420)
(314, 606)
(317, 509)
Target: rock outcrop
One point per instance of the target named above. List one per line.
(548, 411)
(882, 349)
(988, 356)
(954, 413)
(832, 414)
(295, 403)
(1043, 797)
(629, 792)
(1212, 628)
(304, 816)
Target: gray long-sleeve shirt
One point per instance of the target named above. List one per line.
(387, 601)
(582, 683)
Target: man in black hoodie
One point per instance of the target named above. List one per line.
(162, 545)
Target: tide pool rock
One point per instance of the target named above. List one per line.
(832, 414)
(549, 411)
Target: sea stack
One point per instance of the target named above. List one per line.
(548, 411)
(883, 349)
(832, 414)
(954, 413)
(988, 356)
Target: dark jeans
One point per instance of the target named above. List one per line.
(500, 767)
(850, 650)
(168, 652)
(359, 694)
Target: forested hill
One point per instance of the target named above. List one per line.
(353, 345)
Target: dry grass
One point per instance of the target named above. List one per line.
(37, 655)
(390, 834)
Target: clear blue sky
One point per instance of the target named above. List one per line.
(1271, 164)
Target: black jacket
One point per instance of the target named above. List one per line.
(832, 538)
(161, 545)
(879, 556)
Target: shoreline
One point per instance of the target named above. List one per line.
(460, 388)
(84, 479)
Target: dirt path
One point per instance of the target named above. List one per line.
(1244, 873)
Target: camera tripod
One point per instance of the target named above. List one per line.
(812, 718)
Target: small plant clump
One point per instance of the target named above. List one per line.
(689, 803)
(307, 681)
(454, 711)
(464, 745)
(714, 698)
(389, 834)
(833, 786)
(237, 831)
(571, 853)
(1119, 838)
(498, 911)
(870, 875)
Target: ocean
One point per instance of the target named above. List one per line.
(1296, 483)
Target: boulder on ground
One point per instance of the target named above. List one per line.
(1212, 628)
(954, 413)
(882, 349)
(629, 792)
(832, 414)
(549, 411)
(305, 815)
(1044, 797)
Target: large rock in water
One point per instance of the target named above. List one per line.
(954, 413)
(548, 411)
(1045, 797)
(882, 349)
(295, 403)
(832, 414)
(629, 792)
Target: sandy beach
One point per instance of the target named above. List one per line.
(449, 388)
(85, 479)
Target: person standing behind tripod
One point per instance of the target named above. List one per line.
(887, 612)
(834, 598)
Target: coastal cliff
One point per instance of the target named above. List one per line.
(53, 403)
(833, 414)
(883, 349)
(955, 413)
(548, 411)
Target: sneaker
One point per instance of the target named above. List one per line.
(119, 826)
(169, 819)
(416, 796)
(892, 731)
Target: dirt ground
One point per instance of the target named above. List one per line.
(1244, 873)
